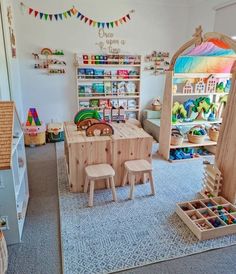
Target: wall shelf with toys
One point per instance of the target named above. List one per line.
(14, 194)
(106, 82)
(157, 62)
(50, 61)
(197, 85)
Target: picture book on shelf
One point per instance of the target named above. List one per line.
(108, 88)
(94, 103)
(132, 104)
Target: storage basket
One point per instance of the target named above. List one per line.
(196, 139)
(213, 134)
(156, 107)
(176, 137)
(3, 254)
(55, 132)
(35, 135)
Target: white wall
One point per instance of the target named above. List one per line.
(156, 25)
(225, 20)
(12, 63)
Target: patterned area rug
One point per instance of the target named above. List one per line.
(115, 236)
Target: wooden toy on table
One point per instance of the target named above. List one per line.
(84, 124)
(211, 184)
(100, 129)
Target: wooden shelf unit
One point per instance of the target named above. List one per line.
(14, 191)
(133, 97)
(166, 118)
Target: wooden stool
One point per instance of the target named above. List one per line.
(99, 172)
(135, 167)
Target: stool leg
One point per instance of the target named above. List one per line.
(86, 184)
(107, 183)
(144, 178)
(132, 186)
(151, 183)
(125, 177)
(91, 193)
(113, 189)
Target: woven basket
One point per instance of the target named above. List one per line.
(176, 138)
(196, 139)
(213, 134)
(35, 139)
(3, 254)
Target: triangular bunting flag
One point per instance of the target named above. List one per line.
(46, 16)
(78, 15)
(65, 14)
(36, 13)
(73, 10)
(107, 25)
(86, 19)
(103, 25)
(116, 22)
(124, 19)
(30, 11)
(50, 17)
(56, 16)
(99, 24)
(81, 17)
(112, 24)
(41, 15)
(60, 15)
(69, 13)
(121, 21)
(90, 22)
(128, 16)
(94, 23)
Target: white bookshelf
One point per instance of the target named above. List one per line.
(14, 191)
(83, 80)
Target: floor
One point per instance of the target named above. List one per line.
(40, 251)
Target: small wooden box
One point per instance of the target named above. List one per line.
(193, 214)
(55, 132)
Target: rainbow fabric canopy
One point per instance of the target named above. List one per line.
(213, 56)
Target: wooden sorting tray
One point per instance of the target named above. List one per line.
(201, 212)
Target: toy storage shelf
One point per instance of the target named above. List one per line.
(201, 75)
(14, 194)
(204, 220)
(116, 88)
(170, 97)
(185, 143)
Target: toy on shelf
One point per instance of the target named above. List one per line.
(227, 86)
(34, 129)
(156, 104)
(213, 109)
(201, 106)
(211, 184)
(99, 129)
(159, 60)
(200, 86)
(178, 112)
(188, 88)
(45, 61)
(211, 84)
(55, 132)
(213, 132)
(222, 101)
(197, 134)
(176, 137)
(220, 88)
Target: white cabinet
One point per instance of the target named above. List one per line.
(14, 191)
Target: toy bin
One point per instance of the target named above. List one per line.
(55, 132)
(35, 135)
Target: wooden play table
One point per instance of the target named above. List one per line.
(129, 142)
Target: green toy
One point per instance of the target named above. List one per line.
(220, 87)
(201, 106)
(178, 112)
(86, 114)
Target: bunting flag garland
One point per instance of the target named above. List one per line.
(74, 12)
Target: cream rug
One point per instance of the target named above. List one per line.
(115, 236)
